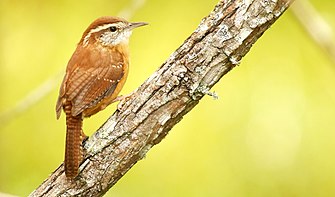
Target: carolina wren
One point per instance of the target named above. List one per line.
(94, 77)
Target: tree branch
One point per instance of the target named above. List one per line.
(213, 49)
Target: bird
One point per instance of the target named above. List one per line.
(95, 74)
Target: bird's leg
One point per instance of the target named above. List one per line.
(83, 136)
(123, 100)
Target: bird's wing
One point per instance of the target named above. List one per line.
(87, 87)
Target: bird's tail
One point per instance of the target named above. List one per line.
(73, 149)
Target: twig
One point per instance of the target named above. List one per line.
(6, 195)
(130, 10)
(316, 27)
(30, 99)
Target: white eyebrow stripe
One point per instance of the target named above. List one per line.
(97, 29)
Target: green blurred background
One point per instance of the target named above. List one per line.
(271, 133)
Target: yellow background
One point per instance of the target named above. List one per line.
(271, 133)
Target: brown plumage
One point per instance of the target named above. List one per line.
(94, 77)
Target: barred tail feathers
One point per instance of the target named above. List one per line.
(73, 149)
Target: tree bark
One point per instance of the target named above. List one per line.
(213, 49)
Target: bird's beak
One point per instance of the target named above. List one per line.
(138, 24)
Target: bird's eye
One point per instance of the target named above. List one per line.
(112, 28)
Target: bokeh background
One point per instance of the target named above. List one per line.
(271, 132)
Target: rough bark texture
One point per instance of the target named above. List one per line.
(215, 47)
